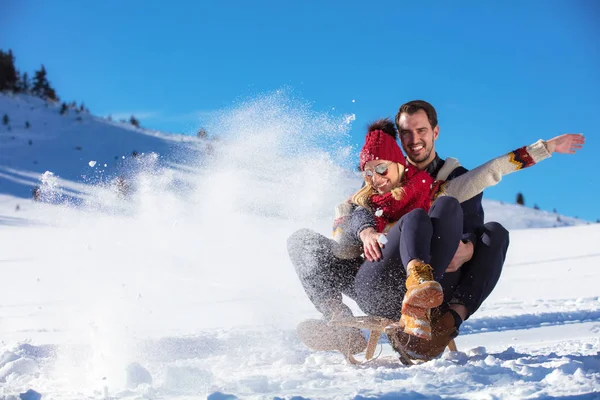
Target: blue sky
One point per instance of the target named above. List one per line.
(501, 74)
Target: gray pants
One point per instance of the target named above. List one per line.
(323, 276)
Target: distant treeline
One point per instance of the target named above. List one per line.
(12, 80)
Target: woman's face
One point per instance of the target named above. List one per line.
(382, 175)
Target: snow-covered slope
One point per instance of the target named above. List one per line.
(183, 291)
(514, 216)
(39, 139)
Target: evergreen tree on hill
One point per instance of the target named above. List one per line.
(9, 77)
(134, 121)
(40, 82)
(24, 83)
(41, 85)
(51, 94)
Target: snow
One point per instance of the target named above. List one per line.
(182, 288)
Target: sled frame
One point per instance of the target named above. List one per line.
(376, 326)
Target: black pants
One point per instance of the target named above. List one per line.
(431, 237)
(379, 288)
(477, 278)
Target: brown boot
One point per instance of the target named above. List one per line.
(318, 335)
(443, 330)
(419, 327)
(423, 292)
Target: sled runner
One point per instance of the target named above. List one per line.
(376, 326)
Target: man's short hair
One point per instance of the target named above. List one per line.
(414, 106)
(386, 125)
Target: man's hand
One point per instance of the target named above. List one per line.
(568, 143)
(371, 245)
(463, 254)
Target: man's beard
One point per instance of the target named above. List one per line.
(420, 159)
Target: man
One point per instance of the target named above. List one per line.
(418, 130)
(477, 264)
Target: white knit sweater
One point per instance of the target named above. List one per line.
(473, 182)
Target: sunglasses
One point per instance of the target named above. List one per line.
(380, 169)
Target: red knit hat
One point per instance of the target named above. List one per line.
(380, 146)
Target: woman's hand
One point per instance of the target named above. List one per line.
(568, 143)
(371, 245)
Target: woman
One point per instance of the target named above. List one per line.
(392, 207)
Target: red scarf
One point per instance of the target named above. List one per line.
(417, 194)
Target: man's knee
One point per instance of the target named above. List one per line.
(301, 240)
(300, 244)
(495, 236)
(298, 237)
(310, 252)
(485, 267)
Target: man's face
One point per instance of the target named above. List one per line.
(417, 138)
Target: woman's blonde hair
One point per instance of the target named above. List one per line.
(363, 196)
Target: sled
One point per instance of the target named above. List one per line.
(376, 326)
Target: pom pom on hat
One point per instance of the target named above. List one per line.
(380, 146)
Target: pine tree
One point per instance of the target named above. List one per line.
(134, 121)
(17, 85)
(9, 77)
(40, 82)
(41, 85)
(520, 199)
(5, 119)
(63, 108)
(51, 94)
(25, 84)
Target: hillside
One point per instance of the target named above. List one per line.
(39, 139)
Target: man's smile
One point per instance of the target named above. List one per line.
(416, 148)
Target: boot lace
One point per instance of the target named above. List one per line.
(423, 272)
